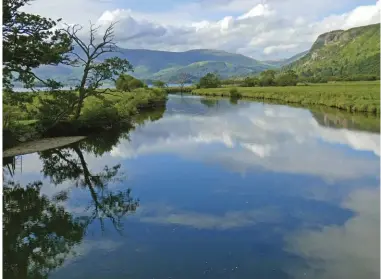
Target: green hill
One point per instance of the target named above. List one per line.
(350, 53)
(199, 69)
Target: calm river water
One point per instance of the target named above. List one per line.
(208, 188)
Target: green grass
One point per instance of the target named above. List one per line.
(349, 96)
(27, 121)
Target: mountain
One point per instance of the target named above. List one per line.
(342, 53)
(199, 69)
(283, 62)
(166, 65)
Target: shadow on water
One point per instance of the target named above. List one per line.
(39, 233)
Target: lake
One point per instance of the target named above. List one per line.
(208, 188)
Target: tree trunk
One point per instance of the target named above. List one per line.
(79, 107)
(82, 91)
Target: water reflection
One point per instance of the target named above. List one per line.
(65, 164)
(349, 251)
(38, 233)
(228, 191)
(252, 136)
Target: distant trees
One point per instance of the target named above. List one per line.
(267, 78)
(251, 82)
(159, 84)
(272, 78)
(289, 78)
(209, 81)
(127, 83)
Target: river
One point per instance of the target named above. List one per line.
(208, 188)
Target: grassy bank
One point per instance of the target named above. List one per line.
(27, 118)
(178, 89)
(349, 96)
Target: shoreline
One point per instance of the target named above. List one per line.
(361, 98)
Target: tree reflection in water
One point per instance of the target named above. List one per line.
(38, 232)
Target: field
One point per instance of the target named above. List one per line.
(349, 96)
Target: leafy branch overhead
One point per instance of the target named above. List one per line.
(30, 41)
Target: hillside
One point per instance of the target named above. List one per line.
(339, 53)
(199, 69)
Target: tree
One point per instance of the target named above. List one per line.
(182, 79)
(159, 83)
(128, 83)
(289, 78)
(251, 82)
(28, 42)
(210, 81)
(95, 73)
(267, 78)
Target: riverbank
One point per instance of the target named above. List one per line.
(98, 114)
(349, 96)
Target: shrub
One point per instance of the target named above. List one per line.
(288, 78)
(250, 82)
(96, 110)
(234, 93)
(128, 83)
(210, 81)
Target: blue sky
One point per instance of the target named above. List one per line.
(262, 29)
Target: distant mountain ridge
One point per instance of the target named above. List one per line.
(166, 65)
(352, 52)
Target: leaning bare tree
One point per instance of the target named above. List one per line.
(96, 71)
(183, 78)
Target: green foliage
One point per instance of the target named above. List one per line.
(28, 42)
(210, 81)
(159, 83)
(267, 78)
(251, 82)
(353, 97)
(234, 93)
(288, 78)
(128, 83)
(98, 110)
(50, 107)
(11, 115)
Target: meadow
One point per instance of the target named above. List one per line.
(361, 96)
